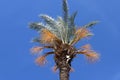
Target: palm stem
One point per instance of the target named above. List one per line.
(63, 65)
(64, 73)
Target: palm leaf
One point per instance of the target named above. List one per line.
(49, 20)
(65, 11)
(72, 18)
(37, 26)
(65, 18)
(79, 34)
(47, 37)
(60, 23)
(41, 60)
(71, 26)
(51, 25)
(90, 24)
(37, 39)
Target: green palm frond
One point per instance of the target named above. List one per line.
(63, 28)
(55, 26)
(37, 39)
(37, 26)
(71, 26)
(65, 18)
(90, 24)
(53, 30)
(65, 11)
(72, 19)
(49, 20)
(60, 23)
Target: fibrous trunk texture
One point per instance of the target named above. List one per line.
(63, 58)
(64, 72)
(64, 66)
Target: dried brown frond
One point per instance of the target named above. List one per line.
(41, 60)
(49, 47)
(72, 70)
(87, 46)
(89, 53)
(79, 34)
(85, 49)
(55, 68)
(36, 49)
(47, 36)
(92, 57)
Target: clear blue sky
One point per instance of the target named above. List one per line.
(16, 62)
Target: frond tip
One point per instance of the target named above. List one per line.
(41, 60)
(90, 24)
(91, 55)
(87, 47)
(55, 68)
(65, 10)
(36, 49)
(36, 26)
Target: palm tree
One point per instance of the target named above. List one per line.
(61, 35)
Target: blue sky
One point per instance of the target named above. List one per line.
(16, 61)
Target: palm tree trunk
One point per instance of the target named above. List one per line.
(63, 64)
(64, 73)
(64, 67)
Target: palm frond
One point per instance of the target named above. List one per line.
(65, 18)
(53, 30)
(51, 25)
(41, 60)
(90, 24)
(71, 26)
(48, 37)
(79, 34)
(89, 53)
(36, 49)
(92, 56)
(87, 47)
(37, 26)
(72, 18)
(55, 68)
(37, 39)
(60, 23)
(65, 11)
(48, 20)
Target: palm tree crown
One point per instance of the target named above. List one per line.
(61, 35)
